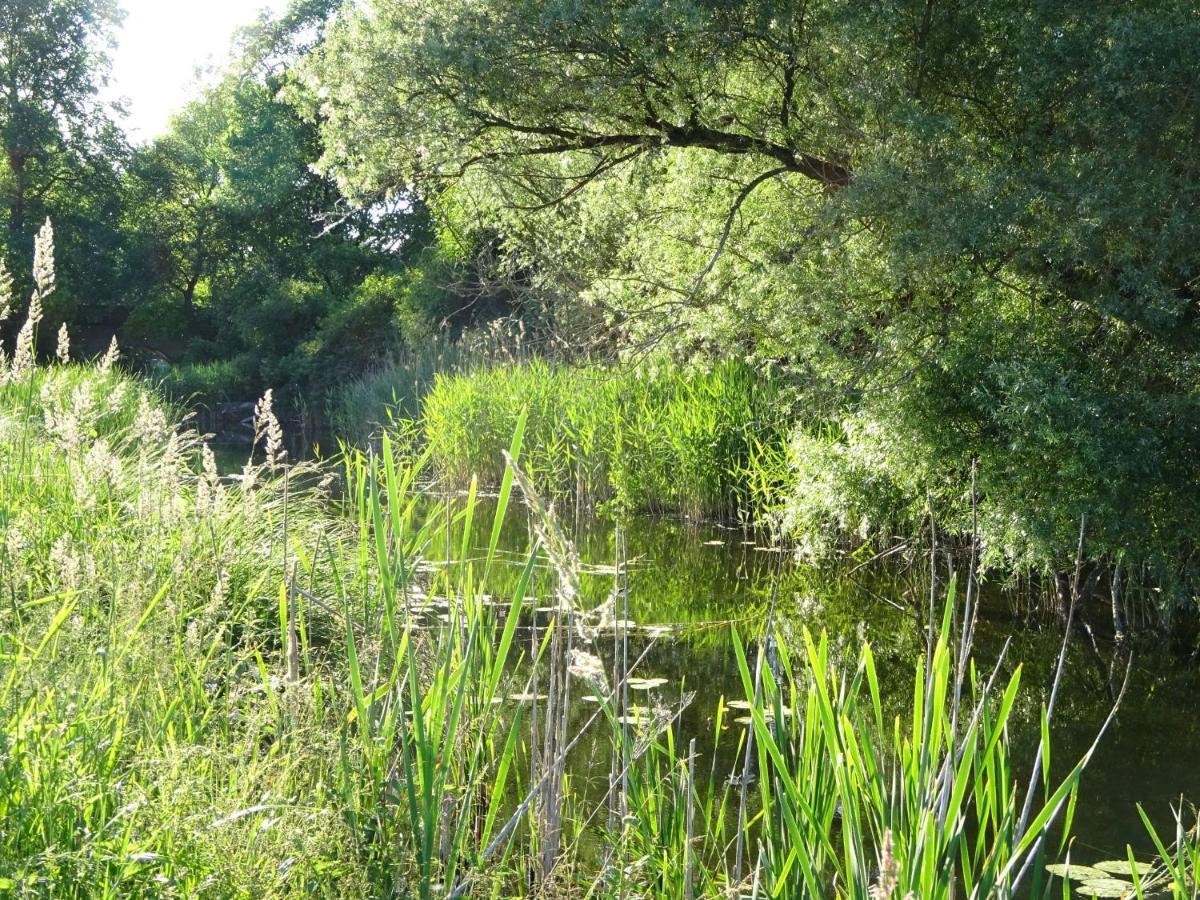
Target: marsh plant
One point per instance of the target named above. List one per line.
(701, 443)
(255, 686)
(393, 393)
(228, 686)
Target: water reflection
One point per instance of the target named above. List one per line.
(688, 585)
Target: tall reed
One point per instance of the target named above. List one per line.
(657, 440)
(249, 685)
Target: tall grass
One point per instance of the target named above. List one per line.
(245, 687)
(359, 410)
(657, 440)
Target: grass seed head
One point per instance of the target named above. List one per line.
(43, 260)
(63, 351)
(111, 357)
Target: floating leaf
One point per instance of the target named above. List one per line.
(1076, 872)
(621, 624)
(644, 684)
(1116, 867)
(658, 631)
(1105, 887)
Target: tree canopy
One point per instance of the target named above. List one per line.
(967, 230)
(59, 144)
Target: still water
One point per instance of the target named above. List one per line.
(699, 582)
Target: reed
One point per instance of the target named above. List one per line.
(393, 393)
(642, 440)
(252, 685)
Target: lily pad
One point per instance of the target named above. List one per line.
(1076, 872)
(1105, 887)
(644, 684)
(1117, 867)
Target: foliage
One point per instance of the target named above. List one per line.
(392, 394)
(218, 686)
(227, 217)
(60, 152)
(961, 230)
(646, 439)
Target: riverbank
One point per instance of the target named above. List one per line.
(215, 683)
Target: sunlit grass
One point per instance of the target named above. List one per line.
(696, 443)
(255, 686)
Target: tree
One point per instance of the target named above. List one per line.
(52, 65)
(251, 259)
(60, 152)
(966, 230)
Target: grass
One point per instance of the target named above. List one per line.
(698, 443)
(359, 410)
(251, 687)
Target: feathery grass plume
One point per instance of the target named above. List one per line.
(6, 291)
(111, 356)
(64, 344)
(208, 486)
(889, 871)
(150, 427)
(266, 424)
(23, 353)
(43, 260)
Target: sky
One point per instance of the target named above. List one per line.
(161, 44)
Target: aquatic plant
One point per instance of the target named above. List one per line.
(658, 440)
(254, 685)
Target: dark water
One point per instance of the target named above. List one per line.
(700, 581)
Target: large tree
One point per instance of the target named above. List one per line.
(52, 65)
(59, 149)
(254, 270)
(967, 228)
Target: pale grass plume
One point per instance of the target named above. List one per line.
(23, 352)
(6, 291)
(63, 351)
(111, 356)
(150, 425)
(66, 562)
(267, 425)
(43, 260)
(889, 872)
(208, 487)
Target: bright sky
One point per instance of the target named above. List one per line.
(162, 43)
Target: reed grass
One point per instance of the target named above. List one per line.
(645, 440)
(393, 393)
(253, 686)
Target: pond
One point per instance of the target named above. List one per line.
(698, 582)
